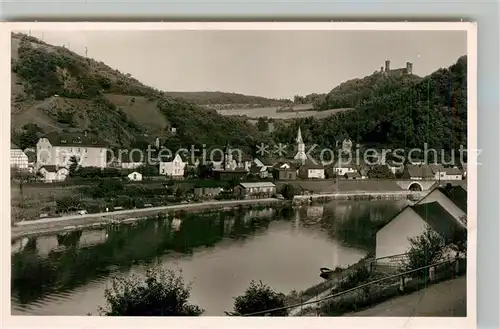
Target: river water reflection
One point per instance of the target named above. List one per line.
(219, 252)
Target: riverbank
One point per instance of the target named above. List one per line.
(75, 222)
(358, 195)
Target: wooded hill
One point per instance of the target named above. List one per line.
(430, 110)
(354, 92)
(55, 89)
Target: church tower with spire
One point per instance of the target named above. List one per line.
(301, 148)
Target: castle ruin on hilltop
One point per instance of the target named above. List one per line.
(396, 72)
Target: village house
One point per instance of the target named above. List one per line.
(353, 175)
(393, 238)
(57, 149)
(131, 159)
(346, 145)
(311, 170)
(342, 167)
(174, 168)
(418, 172)
(259, 189)
(265, 162)
(135, 176)
(437, 170)
(229, 175)
(261, 172)
(285, 171)
(206, 189)
(51, 173)
(452, 173)
(18, 159)
(395, 166)
(442, 208)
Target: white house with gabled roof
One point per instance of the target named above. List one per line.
(57, 149)
(174, 168)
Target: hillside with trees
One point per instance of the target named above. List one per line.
(354, 92)
(55, 89)
(432, 110)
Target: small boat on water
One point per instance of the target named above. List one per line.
(325, 272)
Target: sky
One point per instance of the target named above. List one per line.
(275, 64)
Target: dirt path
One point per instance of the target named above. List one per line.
(446, 299)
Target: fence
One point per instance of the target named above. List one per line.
(344, 299)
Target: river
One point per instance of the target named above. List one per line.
(219, 252)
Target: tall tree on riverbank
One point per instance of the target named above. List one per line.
(160, 293)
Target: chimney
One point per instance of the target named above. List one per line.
(409, 67)
(387, 65)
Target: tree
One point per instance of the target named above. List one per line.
(424, 250)
(160, 293)
(68, 203)
(381, 172)
(205, 170)
(148, 170)
(73, 166)
(262, 124)
(259, 297)
(288, 191)
(179, 192)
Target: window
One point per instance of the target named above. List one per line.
(78, 150)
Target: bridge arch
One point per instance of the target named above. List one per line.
(415, 186)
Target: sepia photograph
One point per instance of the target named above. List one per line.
(244, 172)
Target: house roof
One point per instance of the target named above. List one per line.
(341, 163)
(309, 164)
(268, 161)
(256, 169)
(49, 168)
(457, 194)
(452, 171)
(134, 172)
(353, 174)
(419, 171)
(258, 184)
(74, 139)
(439, 219)
(436, 168)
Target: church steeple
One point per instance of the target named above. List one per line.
(301, 148)
(299, 137)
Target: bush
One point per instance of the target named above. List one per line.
(288, 191)
(380, 172)
(425, 250)
(68, 203)
(160, 293)
(259, 297)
